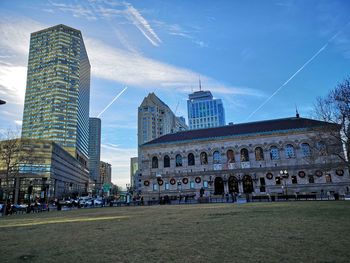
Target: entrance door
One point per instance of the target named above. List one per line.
(219, 186)
(247, 184)
(232, 185)
(262, 185)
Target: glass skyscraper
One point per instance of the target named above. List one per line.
(57, 97)
(94, 149)
(204, 111)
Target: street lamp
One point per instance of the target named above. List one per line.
(284, 175)
(179, 186)
(127, 193)
(160, 182)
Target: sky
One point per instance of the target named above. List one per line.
(262, 58)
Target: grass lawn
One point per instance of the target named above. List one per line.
(254, 232)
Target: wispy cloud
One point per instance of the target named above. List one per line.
(107, 62)
(178, 31)
(75, 10)
(14, 47)
(94, 10)
(142, 24)
(139, 71)
(12, 83)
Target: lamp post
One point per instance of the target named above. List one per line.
(127, 194)
(284, 175)
(160, 182)
(179, 186)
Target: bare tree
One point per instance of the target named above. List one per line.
(13, 154)
(335, 108)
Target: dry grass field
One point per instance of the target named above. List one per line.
(253, 232)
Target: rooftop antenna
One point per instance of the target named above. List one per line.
(296, 111)
(200, 84)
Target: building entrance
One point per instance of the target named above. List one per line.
(248, 184)
(233, 185)
(219, 186)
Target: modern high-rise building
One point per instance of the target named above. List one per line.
(156, 119)
(204, 111)
(94, 149)
(57, 97)
(105, 172)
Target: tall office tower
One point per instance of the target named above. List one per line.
(156, 119)
(204, 111)
(94, 149)
(57, 97)
(105, 173)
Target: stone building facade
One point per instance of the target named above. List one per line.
(283, 156)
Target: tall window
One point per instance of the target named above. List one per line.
(305, 149)
(289, 151)
(274, 153)
(259, 154)
(321, 147)
(328, 178)
(204, 158)
(230, 156)
(190, 159)
(178, 160)
(154, 162)
(244, 155)
(294, 179)
(216, 157)
(166, 161)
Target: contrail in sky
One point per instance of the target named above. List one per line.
(296, 73)
(116, 97)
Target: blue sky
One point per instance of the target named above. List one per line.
(242, 50)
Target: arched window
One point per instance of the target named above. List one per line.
(305, 149)
(216, 157)
(178, 160)
(274, 153)
(166, 161)
(154, 162)
(190, 159)
(204, 158)
(289, 151)
(328, 178)
(230, 156)
(259, 154)
(244, 155)
(321, 147)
